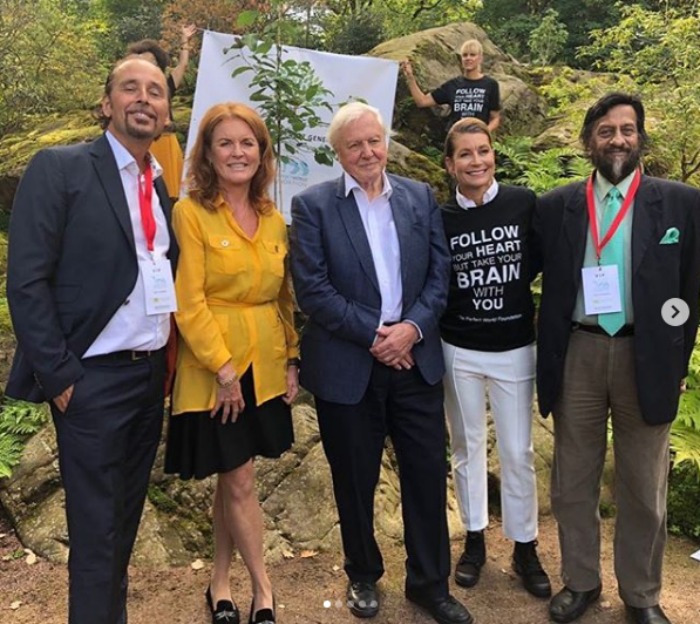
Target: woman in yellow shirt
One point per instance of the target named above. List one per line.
(237, 364)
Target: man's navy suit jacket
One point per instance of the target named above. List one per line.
(336, 284)
(71, 263)
(659, 272)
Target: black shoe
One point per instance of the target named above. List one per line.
(526, 564)
(447, 610)
(647, 615)
(261, 616)
(363, 599)
(468, 568)
(225, 611)
(569, 605)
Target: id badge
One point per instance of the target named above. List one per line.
(601, 289)
(159, 286)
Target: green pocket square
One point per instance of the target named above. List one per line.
(672, 236)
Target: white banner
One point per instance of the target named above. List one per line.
(347, 77)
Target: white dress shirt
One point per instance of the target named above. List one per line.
(466, 203)
(130, 328)
(378, 221)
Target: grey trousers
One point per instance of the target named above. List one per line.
(599, 382)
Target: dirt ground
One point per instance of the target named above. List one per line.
(310, 590)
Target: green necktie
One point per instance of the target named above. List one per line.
(613, 254)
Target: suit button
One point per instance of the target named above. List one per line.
(127, 302)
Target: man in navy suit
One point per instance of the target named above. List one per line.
(371, 270)
(89, 273)
(615, 249)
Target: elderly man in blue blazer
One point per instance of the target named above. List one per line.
(371, 270)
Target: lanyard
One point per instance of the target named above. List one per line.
(598, 244)
(148, 221)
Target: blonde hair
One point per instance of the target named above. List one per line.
(202, 181)
(471, 45)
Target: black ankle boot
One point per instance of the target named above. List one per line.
(468, 567)
(526, 564)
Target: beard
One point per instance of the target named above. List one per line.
(612, 167)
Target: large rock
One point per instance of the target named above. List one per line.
(295, 492)
(435, 57)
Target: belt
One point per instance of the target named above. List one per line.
(625, 330)
(124, 356)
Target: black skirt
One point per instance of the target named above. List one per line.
(199, 446)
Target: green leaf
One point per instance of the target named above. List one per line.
(240, 70)
(247, 18)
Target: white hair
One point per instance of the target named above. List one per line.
(348, 113)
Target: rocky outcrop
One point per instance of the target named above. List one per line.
(435, 57)
(295, 493)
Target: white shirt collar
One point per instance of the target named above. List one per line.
(125, 160)
(351, 184)
(489, 195)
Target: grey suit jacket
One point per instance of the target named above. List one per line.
(659, 272)
(71, 263)
(336, 284)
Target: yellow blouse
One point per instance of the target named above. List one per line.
(234, 303)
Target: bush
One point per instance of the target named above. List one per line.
(684, 501)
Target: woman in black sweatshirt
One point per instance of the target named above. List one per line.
(489, 345)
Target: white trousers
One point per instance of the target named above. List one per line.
(509, 377)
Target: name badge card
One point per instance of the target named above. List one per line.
(159, 285)
(601, 289)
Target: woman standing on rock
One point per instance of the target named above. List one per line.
(237, 366)
(489, 343)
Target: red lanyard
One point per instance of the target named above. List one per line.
(593, 221)
(148, 221)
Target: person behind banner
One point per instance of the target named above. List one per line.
(166, 148)
(488, 341)
(370, 270)
(471, 95)
(615, 250)
(89, 268)
(237, 367)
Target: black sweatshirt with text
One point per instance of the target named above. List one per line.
(490, 307)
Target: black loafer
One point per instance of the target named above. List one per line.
(569, 605)
(363, 599)
(224, 612)
(447, 610)
(647, 615)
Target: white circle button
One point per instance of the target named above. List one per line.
(675, 312)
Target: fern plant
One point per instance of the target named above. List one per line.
(685, 432)
(18, 421)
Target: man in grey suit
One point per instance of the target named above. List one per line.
(615, 250)
(89, 275)
(371, 270)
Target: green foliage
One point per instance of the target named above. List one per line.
(685, 432)
(18, 421)
(510, 22)
(683, 502)
(49, 60)
(287, 93)
(547, 41)
(355, 34)
(660, 53)
(540, 171)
